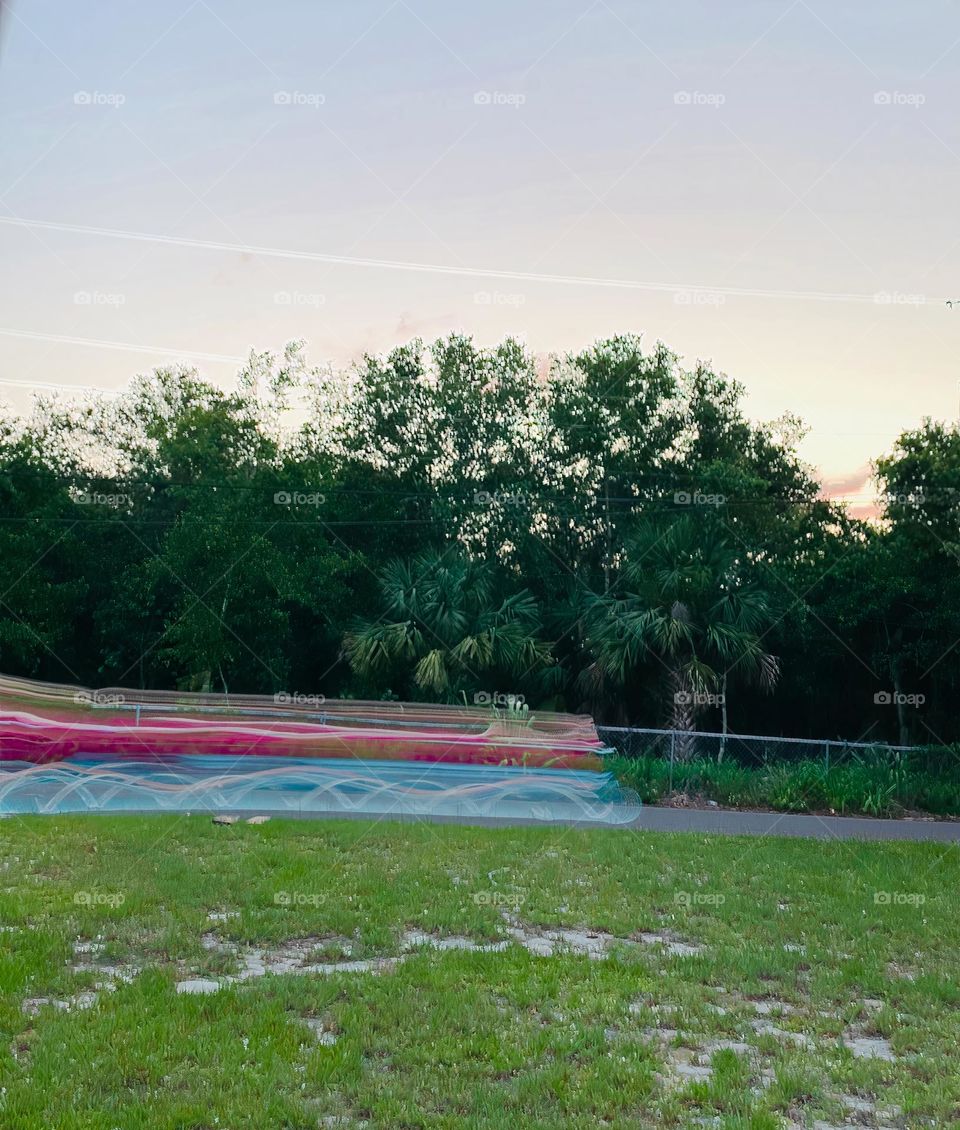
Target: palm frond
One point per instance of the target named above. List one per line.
(431, 672)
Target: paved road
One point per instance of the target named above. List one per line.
(793, 824)
(714, 820)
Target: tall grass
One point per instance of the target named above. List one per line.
(875, 785)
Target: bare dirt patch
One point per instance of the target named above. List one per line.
(299, 956)
(673, 945)
(595, 944)
(870, 1047)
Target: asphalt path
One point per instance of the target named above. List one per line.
(698, 820)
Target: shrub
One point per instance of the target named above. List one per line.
(874, 784)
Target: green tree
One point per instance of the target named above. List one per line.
(447, 632)
(683, 605)
(41, 594)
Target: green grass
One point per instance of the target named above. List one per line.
(472, 1039)
(873, 786)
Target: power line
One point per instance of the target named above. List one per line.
(443, 268)
(124, 346)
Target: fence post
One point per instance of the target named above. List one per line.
(826, 757)
(673, 742)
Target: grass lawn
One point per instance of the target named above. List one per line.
(728, 982)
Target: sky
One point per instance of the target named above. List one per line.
(768, 186)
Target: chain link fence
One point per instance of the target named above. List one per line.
(749, 750)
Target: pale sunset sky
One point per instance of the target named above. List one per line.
(770, 185)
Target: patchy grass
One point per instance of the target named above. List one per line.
(641, 979)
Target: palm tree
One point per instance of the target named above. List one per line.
(446, 630)
(682, 603)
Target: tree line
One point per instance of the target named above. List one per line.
(608, 532)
